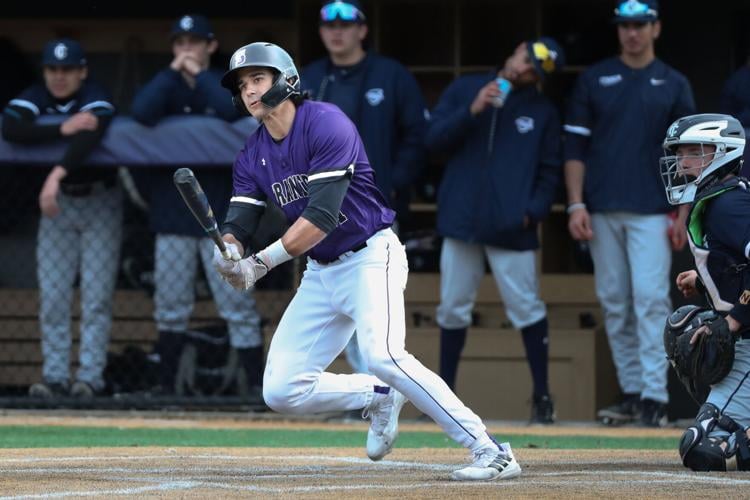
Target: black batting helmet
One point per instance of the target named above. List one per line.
(265, 55)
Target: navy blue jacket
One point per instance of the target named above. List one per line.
(167, 94)
(389, 114)
(616, 122)
(719, 236)
(735, 101)
(503, 164)
(24, 123)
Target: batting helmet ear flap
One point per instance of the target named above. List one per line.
(240, 105)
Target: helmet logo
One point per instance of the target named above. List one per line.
(61, 51)
(375, 96)
(239, 58)
(673, 129)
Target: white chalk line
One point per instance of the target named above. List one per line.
(253, 474)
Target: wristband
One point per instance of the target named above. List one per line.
(274, 254)
(574, 206)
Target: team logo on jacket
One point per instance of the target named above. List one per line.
(745, 298)
(524, 124)
(609, 80)
(375, 96)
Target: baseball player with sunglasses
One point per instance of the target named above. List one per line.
(307, 158)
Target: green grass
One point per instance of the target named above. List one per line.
(63, 436)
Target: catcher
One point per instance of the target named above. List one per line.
(710, 348)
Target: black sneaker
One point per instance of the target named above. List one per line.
(542, 410)
(653, 414)
(627, 410)
(82, 390)
(48, 390)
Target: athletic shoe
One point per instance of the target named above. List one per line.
(82, 390)
(654, 413)
(383, 413)
(489, 464)
(542, 410)
(627, 410)
(48, 390)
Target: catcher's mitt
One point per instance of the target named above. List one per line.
(709, 359)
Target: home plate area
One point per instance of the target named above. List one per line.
(344, 473)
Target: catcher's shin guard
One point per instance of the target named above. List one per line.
(698, 451)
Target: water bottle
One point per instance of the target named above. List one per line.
(504, 86)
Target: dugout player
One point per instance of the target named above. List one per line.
(703, 155)
(307, 158)
(80, 230)
(614, 126)
(189, 86)
(500, 181)
(735, 100)
(383, 100)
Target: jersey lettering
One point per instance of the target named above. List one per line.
(291, 189)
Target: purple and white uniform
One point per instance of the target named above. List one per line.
(323, 143)
(346, 286)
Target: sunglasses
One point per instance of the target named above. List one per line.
(633, 8)
(342, 11)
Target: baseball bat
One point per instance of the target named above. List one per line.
(191, 191)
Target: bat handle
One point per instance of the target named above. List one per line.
(225, 253)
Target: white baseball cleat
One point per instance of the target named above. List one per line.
(383, 413)
(489, 464)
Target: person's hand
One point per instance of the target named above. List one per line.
(178, 61)
(484, 98)
(191, 66)
(223, 265)
(720, 327)
(240, 273)
(677, 231)
(686, 283)
(48, 195)
(579, 224)
(83, 120)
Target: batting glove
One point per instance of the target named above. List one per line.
(223, 265)
(246, 273)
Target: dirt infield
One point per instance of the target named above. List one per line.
(333, 473)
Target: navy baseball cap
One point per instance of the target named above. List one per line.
(639, 11)
(192, 25)
(63, 52)
(348, 11)
(546, 54)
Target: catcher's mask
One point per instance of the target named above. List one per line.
(699, 151)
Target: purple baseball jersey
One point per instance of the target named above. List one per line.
(322, 143)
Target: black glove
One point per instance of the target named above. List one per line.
(710, 358)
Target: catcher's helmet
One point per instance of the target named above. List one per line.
(265, 55)
(724, 132)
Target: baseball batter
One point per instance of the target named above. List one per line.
(307, 158)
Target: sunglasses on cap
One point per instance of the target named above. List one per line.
(342, 11)
(545, 56)
(634, 8)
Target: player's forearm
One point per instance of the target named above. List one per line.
(301, 237)
(574, 173)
